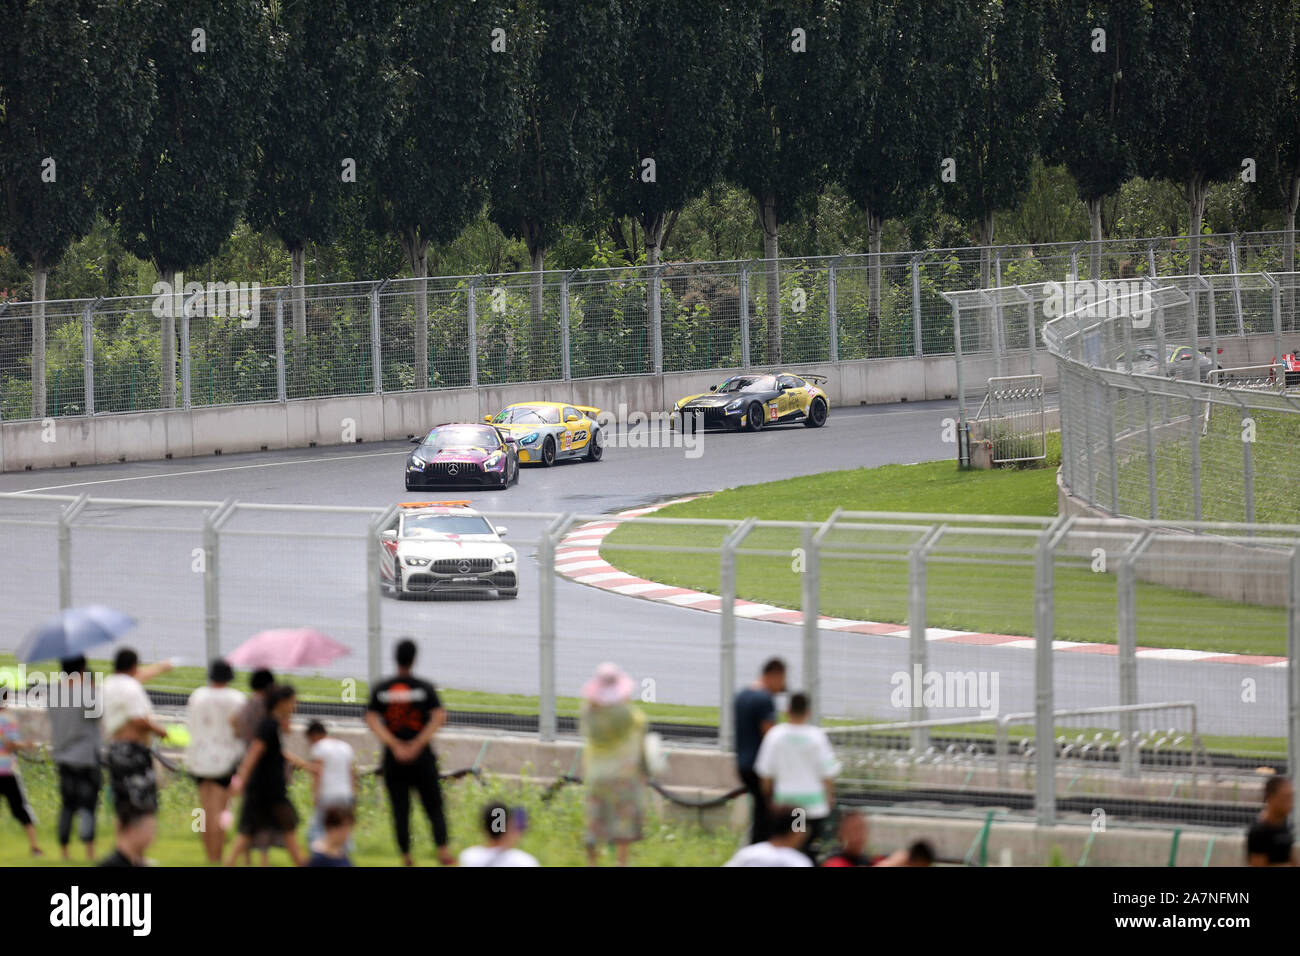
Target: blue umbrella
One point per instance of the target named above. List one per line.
(73, 632)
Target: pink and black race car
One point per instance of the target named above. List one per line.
(461, 455)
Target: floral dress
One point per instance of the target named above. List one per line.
(613, 767)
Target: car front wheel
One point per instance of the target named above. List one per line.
(816, 414)
(754, 417)
(548, 451)
(595, 447)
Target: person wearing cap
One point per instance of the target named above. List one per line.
(613, 760)
(214, 751)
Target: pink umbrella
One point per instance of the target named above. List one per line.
(286, 649)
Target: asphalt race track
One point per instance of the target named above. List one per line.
(284, 570)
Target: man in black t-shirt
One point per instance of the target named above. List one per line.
(754, 712)
(1269, 841)
(261, 779)
(404, 714)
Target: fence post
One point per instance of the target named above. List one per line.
(1276, 288)
(186, 312)
(744, 314)
(546, 718)
(1114, 450)
(1293, 666)
(88, 355)
(1044, 623)
(66, 517)
(566, 371)
(811, 586)
(997, 340)
(1247, 467)
(374, 594)
(376, 338)
(916, 617)
(1196, 457)
(1126, 606)
(917, 345)
(1151, 259)
(832, 309)
(656, 320)
(471, 329)
(1153, 502)
(281, 392)
(727, 633)
(1236, 284)
(212, 522)
(1031, 307)
(1074, 263)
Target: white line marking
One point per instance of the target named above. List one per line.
(1176, 654)
(209, 471)
(754, 610)
(607, 576)
(639, 588)
(690, 598)
(580, 565)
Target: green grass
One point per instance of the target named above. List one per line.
(864, 574)
(320, 689)
(1223, 493)
(554, 835)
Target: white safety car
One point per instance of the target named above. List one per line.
(445, 546)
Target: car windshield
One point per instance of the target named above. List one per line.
(749, 383)
(431, 525)
(462, 436)
(528, 415)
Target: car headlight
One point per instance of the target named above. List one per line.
(493, 460)
(529, 438)
(734, 406)
(418, 562)
(506, 559)
(416, 465)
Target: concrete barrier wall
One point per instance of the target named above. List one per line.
(319, 422)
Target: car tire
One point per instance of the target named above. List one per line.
(595, 447)
(548, 452)
(754, 417)
(408, 487)
(816, 414)
(508, 594)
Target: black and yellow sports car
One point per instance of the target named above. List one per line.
(753, 401)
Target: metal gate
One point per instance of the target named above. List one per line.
(1013, 419)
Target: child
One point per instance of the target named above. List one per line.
(332, 848)
(334, 775)
(11, 788)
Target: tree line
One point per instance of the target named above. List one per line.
(175, 120)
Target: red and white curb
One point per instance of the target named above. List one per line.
(577, 557)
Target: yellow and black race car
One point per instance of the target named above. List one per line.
(754, 400)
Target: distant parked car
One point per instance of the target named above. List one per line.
(1181, 361)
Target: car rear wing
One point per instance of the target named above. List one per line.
(589, 410)
(819, 379)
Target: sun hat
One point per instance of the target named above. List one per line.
(609, 685)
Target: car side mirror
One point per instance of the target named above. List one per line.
(488, 419)
(417, 441)
(713, 388)
(501, 530)
(389, 534)
(570, 418)
(510, 439)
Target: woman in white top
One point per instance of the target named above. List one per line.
(214, 751)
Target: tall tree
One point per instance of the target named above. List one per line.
(1112, 78)
(788, 126)
(1004, 102)
(191, 179)
(551, 171)
(682, 73)
(326, 123)
(895, 132)
(456, 111)
(1280, 167)
(75, 98)
(1232, 57)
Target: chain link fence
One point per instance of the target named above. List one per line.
(1051, 666)
(217, 344)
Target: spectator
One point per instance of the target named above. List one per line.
(131, 729)
(74, 713)
(852, 851)
(613, 762)
(1269, 841)
(261, 777)
(334, 777)
(333, 846)
(404, 714)
(132, 840)
(11, 787)
(786, 835)
(755, 714)
(504, 828)
(245, 724)
(920, 853)
(798, 768)
(214, 751)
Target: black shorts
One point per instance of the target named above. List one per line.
(222, 781)
(257, 815)
(132, 781)
(79, 787)
(11, 789)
